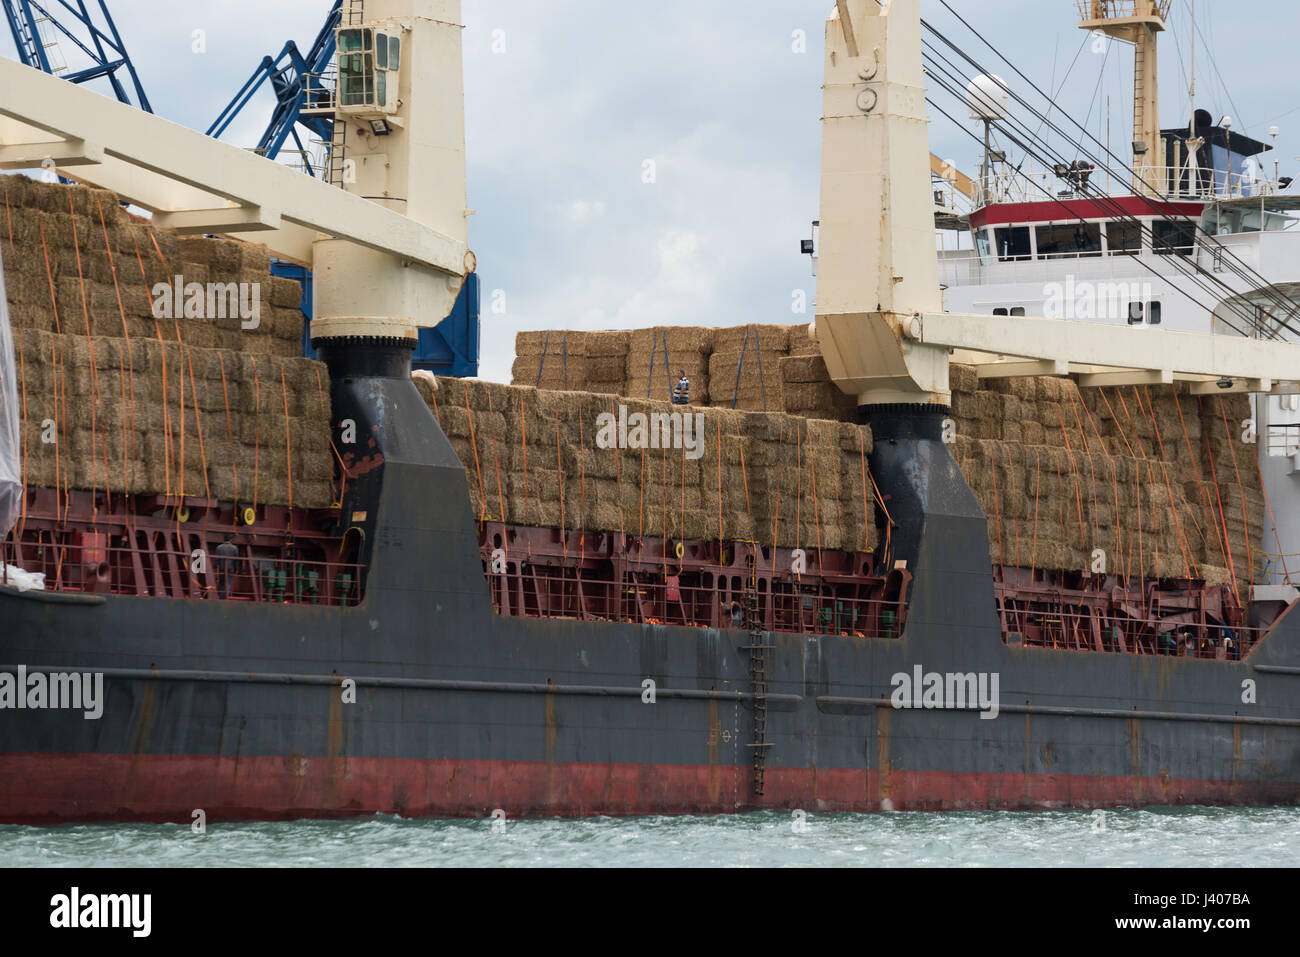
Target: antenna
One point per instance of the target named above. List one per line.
(1191, 124)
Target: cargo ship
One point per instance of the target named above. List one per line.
(329, 589)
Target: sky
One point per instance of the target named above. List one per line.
(567, 101)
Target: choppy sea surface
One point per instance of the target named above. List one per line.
(1150, 837)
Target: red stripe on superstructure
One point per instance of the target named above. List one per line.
(1072, 210)
(48, 789)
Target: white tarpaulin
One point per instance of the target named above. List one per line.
(11, 483)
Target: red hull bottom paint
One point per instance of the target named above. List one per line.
(49, 789)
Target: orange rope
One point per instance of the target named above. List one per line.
(49, 275)
(166, 405)
(1075, 402)
(1038, 484)
(182, 424)
(473, 441)
(798, 514)
(1114, 484)
(559, 471)
(744, 475)
(1188, 564)
(10, 217)
(1011, 468)
(320, 394)
(523, 419)
(817, 518)
(496, 455)
(22, 376)
(582, 478)
(719, 496)
(1078, 495)
(288, 448)
(776, 519)
(257, 433)
(1223, 522)
(866, 520)
(230, 428)
(1241, 491)
(618, 474)
(663, 485)
(997, 509)
(641, 512)
(121, 310)
(1200, 480)
(90, 345)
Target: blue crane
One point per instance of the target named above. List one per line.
(296, 82)
(73, 21)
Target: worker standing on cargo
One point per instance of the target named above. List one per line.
(682, 391)
(227, 555)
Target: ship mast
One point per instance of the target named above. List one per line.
(1137, 22)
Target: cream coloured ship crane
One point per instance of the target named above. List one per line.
(880, 319)
(387, 243)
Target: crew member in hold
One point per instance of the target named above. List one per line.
(682, 391)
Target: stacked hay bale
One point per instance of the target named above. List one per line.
(540, 459)
(656, 356)
(807, 390)
(607, 362)
(1066, 474)
(118, 400)
(801, 342)
(744, 367)
(551, 360)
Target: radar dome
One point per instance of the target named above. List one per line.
(987, 97)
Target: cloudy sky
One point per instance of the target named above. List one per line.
(566, 100)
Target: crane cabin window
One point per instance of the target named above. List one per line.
(365, 61)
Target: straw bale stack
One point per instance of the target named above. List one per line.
(119, 401)
(536, 458)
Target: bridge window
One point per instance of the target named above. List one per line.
(1069, 241)
(1124, 239)
(1013, 243)
(1176, 238)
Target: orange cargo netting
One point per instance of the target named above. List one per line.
(473, 441)
(1078, 494)
(288, 446)
(85, 311)
(1189, 560)
(1241, 491)
(230, 428)
(496, 455)
(776, 517)
(1223, 522)
(126, 333)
